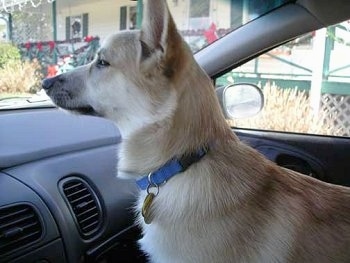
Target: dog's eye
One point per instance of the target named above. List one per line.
(102, 63)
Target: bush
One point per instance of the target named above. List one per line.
(18, 76)
(8, 52)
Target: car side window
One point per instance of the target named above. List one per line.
(306, 84)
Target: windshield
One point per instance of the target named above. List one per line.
(43, 38)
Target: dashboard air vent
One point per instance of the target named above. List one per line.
(19, 226)
(84, 205)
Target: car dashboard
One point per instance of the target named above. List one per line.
(60, 198)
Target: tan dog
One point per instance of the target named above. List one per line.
(230, 204)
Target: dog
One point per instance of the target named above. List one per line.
(205, 196)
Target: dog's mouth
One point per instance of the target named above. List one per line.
(85, 110)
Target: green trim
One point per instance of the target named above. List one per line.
(339, 88)
(54, 21)
(338, 69)
(54, 28)
(282, 83)
(236, 13)
(67, 27)
(85, 24)
(288, 62)
(331, 87)
(123, 17)
(139, 14)
(327, 53)
(10, 27)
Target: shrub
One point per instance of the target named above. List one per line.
(18, 76)
(8, 52)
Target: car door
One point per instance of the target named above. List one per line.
(305, 124)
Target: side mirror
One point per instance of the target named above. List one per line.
(240, 100)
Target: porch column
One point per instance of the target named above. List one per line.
(54, 28)
(245, 14)
(329, 48)
(9, 27)
(319, 46)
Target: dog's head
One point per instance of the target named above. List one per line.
(140, 78)
(132, 80)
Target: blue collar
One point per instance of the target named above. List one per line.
(171, 168)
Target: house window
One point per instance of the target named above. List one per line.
(199, 14)
(132, 17)
(128, 17)
(199, 8)
(77, 26)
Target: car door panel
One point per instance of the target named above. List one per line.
(326, 158)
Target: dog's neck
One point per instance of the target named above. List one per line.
(196, 121)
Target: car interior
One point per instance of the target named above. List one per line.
(60, 197)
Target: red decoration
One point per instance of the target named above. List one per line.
(51, 45)
(27, 45)
(44, 51)
(88, 39)
(51, 71)
(39, 45)
(210, 34)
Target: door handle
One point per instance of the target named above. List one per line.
(296, 164)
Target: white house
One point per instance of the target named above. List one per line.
(79, 18)
(106, 16)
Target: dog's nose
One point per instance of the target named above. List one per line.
(48, 83)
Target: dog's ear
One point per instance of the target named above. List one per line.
(159, 35)
(154, 32)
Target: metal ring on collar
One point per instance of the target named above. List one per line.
(152, 185)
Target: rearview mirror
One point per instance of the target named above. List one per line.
(241, 100)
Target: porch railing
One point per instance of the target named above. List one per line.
(60, 56)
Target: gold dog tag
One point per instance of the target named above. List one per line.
(146, 208)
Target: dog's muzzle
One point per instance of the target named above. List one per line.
(64, 98)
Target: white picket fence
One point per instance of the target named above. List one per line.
(338, 108)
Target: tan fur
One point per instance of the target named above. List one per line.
(233, 205)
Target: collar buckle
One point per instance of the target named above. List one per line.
(153, 180)
(170, 169)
